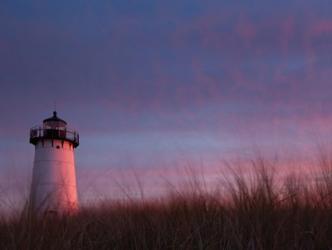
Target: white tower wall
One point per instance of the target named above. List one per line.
(54, 181)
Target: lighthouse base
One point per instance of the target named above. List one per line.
(53, 188)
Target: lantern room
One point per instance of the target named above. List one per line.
(53, 128)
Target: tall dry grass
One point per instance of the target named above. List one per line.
(256, 212)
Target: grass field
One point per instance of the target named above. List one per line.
(247, 213)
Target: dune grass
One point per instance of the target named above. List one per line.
(247, 213)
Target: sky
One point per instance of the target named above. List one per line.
(152, 85)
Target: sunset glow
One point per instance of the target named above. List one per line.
(157, 86)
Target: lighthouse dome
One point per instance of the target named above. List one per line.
(54, 122)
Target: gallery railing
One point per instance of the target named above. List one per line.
(38, 133)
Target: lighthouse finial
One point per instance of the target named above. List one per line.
(54, 112)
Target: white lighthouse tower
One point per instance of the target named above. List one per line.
(53, 186)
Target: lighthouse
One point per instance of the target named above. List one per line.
(53, 188)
